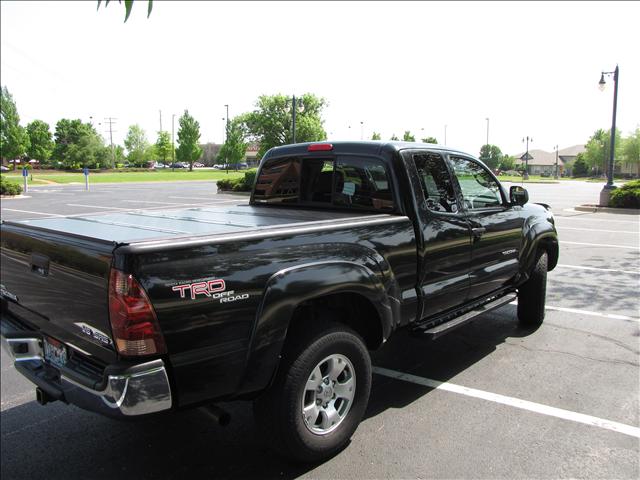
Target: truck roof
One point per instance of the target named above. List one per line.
(382, 148)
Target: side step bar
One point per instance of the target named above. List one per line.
(446, 327)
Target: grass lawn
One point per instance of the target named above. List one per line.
(47, 178)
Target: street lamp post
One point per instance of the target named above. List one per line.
(445, 134)
(361, 130)
(525, 176)
(605, 193)
(556, 175)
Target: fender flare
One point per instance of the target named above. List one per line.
(539, 235)
(286, 290)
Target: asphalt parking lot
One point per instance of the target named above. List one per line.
(491, 400)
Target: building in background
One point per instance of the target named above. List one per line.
(542, 162)
(210, 154)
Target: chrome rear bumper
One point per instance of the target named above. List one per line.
(127, 391)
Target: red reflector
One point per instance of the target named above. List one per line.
(135, 326)
(320, 147)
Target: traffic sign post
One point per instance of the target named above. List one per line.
(85, 170)
(25, 174)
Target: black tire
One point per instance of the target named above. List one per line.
(533, 293)
(279, 410)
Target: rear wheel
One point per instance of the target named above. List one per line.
(319, 395)
(532, 294)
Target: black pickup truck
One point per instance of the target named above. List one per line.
(278, 301)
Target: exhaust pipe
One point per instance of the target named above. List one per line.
(217, 414)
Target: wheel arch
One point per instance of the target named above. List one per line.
(300, 294)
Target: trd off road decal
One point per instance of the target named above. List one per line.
(215, 289)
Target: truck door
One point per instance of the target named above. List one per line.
(496, 227)
(444, 246)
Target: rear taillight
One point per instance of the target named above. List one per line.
(133, 322)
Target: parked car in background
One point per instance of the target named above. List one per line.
(3, 168)
(177, 165)
(243, 166)
(198, 165)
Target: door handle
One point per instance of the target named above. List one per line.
(477, 232)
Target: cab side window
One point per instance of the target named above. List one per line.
(436, 182)
(478, 187)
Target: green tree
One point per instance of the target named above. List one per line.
(376, 136)
(270, 124)
(14, 140)
(128, 5)
(41, 141)
(77, 144)
(394, 137)
(507, 162)
(188, 140)
(407, 137)
(163, 147)
(597, 151)
(491, 156)
(579, 167)
(631, 149)
(234, 149)
(429, 140)
(136, 144)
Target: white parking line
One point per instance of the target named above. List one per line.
(598, 230)
(512, 402)
(589, 217)
(95, 206)
(149, 201)
(564, 242)
(614, 316)
(207, 198)
(29, 211)
(595, 269)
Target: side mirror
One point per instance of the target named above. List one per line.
(518, 195)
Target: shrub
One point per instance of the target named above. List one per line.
(244, 184)
(627, 196)
(9, 188)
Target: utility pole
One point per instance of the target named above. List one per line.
(160, 120)
(445, 134)
(556, 175)
(226, 139)
(173, 146)
(361, 130)
(111, 121)
(487, 119)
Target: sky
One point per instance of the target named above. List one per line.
(531, 68)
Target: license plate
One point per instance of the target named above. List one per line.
(55, 352)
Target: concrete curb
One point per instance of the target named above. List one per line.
(7, 197)
(231, 192)
(596, 208)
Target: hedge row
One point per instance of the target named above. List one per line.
(627, 196)
(244, 184)
(9, 188)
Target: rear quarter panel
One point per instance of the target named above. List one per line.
(210, 342)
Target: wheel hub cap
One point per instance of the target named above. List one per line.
(328, 394)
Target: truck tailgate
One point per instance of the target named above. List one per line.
(58, 284)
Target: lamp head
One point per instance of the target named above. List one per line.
(602, 83)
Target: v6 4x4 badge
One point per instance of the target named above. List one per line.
(215, 289)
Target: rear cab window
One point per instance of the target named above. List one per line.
(344, 181)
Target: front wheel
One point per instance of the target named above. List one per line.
(533, 293)
(319, 395)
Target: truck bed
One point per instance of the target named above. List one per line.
(152, 225)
